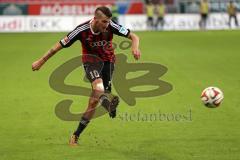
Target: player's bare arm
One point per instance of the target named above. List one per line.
(135, 45)
(38, 64)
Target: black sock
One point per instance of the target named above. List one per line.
(104, 100)
(82, 125)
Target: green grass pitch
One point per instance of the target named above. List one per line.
(30, 130)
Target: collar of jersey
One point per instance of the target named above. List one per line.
(92, 29)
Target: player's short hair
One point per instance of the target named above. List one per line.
(105, 10)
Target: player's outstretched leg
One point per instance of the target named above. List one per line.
(97, 91)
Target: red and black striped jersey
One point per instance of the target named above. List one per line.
(97, 44)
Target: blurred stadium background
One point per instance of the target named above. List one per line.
(30, 130)
(63, 15)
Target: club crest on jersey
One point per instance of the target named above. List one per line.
(123, 30)
(65, 40)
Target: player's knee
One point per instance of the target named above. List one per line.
(97, 85)
(98, 89)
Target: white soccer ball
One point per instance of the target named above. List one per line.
(212, 97)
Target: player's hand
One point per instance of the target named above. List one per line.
(136, 53)
(37, 64)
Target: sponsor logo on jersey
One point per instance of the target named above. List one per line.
(100, 43)
(123, 30)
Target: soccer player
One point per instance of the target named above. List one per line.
(150, 14)
(95, 35)
(160, 15)
(204, 11)
(232, 12)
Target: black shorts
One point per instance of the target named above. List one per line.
(204, 16)
(102, 70)
(150, 19)
(233, 16)
(160, 19)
